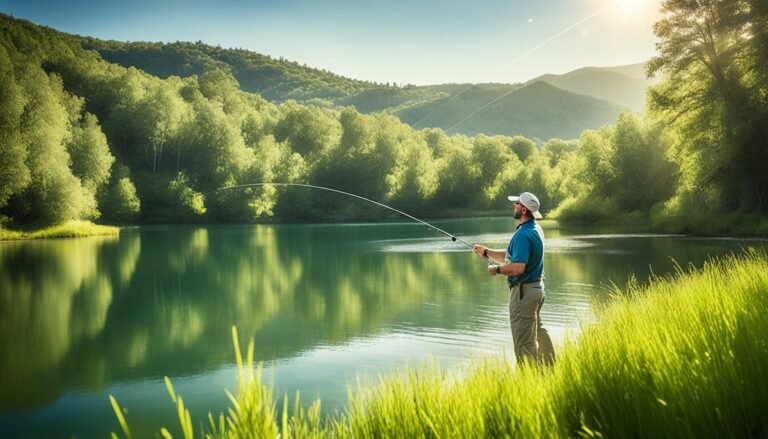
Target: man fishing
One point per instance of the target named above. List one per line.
(524, 268)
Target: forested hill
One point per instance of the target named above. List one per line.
(277, 80)
(538, 112)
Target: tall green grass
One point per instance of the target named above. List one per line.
(70, 229)
(686, 356)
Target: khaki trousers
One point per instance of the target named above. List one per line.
(531, 339)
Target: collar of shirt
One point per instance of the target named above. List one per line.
(530, 222)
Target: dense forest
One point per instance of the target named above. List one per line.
(84, 138)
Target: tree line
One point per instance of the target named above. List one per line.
(84, 138)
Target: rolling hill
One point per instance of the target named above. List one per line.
(623, 85)
(536, 110)
(583, 99)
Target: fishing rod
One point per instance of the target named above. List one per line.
(312, 186)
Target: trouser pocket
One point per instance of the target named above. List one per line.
(526, 301)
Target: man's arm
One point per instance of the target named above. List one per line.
(497, 255)
(511, 269)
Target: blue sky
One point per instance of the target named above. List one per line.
(416, 42)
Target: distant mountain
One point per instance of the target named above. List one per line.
(624, 85)
(636, 71)
(583, 99)
(537, 110)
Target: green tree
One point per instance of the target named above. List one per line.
(190, 204)
(14, 173)
(643, 174)
(118, 200)
(221, 87)
(352, 165)
(714, 97)
(554, 149)
(490, 156)
(413, 180)
(308, 130)
(522, 146)
(458, 175)
(55, 194)
(625, 165)
(160, 114)
(216, 153)
(89, 152)
(536, 176)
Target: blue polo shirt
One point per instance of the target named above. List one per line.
(527, 245)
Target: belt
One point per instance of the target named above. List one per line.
(523, 283)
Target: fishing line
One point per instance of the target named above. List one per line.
(312, 186)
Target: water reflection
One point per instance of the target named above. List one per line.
(54, 298)
(89, 313)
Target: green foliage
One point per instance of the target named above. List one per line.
(275, 79)
(118, 200)
(714, 100)
(308, 130)
(457, 175)
(89, 152)
(14, 173)
(587, 210)
(619, 169)
(555, 149)
(537, 177)
(522, 147)
(190, 204)
(491, 158)
(55, 194)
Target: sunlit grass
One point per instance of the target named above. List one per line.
(685, 356)
(70, 229)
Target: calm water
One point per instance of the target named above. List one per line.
(82, 319)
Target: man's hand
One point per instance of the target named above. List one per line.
(479, 250)
(492, 270)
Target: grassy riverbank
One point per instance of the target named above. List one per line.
(685, 357)
(70, 229)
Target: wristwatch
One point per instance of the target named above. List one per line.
(498, 269)
(485, 253)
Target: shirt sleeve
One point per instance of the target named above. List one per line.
(521, 249)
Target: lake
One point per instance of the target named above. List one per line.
(81, 319)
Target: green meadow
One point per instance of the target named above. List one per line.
(684, 356)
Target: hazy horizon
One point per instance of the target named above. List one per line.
(427, 43)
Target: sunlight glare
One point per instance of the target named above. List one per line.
(628, 7)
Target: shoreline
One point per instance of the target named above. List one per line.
(69, 229)
(80, 228)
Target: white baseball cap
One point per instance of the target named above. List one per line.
(530, 202)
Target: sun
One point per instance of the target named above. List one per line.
(629, 7)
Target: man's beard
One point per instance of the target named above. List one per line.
(518, 215)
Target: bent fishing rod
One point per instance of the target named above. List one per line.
(312, 186)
